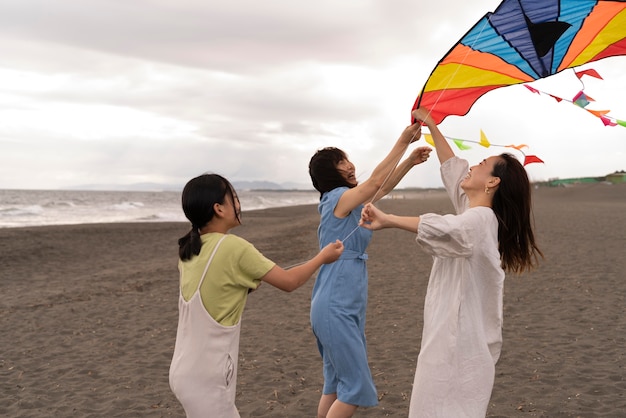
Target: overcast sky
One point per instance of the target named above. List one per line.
(128, 91)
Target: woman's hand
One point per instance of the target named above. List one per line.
(372, 218)
(411, 134)
(331, 252)
(419, 155)
(422, 115)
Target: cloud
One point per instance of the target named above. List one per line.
(155, 90)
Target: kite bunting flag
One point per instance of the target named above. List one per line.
(582, 100)
(460, 143)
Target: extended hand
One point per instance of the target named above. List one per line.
(422, 115)
(372, 218)
(332, 251)
(411, 133)
(420, 155)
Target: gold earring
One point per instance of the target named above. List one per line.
(487, 190)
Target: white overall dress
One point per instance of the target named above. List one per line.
(203, 373)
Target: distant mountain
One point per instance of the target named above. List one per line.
(256, 185)
(135, 187)
(159, 187)
(297, 186)
(268, 185)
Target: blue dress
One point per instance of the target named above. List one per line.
(338, 306)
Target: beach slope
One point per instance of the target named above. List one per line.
(88, 315)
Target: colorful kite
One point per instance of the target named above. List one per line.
(522, 41)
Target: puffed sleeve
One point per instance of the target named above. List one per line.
(444, 236)
(452, 173)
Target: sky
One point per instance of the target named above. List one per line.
(111, 93)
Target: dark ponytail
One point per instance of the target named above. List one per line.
(198, 200)
(190, 244)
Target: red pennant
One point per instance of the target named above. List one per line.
(590, 72)
(534, 90)
(528, 159)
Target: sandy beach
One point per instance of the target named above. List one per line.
(88, 315)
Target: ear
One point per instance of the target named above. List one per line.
(494, 182)
(219, 210)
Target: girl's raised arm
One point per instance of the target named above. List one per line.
(444, 151)
(365, 191)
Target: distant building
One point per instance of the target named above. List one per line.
(614, 178)
(617, 177)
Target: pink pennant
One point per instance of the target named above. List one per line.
(534, 90)
(607, 121)
(581, 99)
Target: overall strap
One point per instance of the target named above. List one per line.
(206, 268)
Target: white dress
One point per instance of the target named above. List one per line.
(462, 333)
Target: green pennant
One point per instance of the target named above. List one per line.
(459, 143)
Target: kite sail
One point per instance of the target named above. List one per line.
(522, 41)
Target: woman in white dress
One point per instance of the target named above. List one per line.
(490, 234)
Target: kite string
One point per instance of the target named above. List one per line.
(397, 161)
(407, 145)
(373, 198)
(458, 67)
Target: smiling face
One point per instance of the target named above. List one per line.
(347, 171)
(481, 175)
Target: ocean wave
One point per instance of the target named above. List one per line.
(128, 205)
(60, 203)
(33, 210)
(66, 207)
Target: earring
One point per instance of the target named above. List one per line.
(487, 190)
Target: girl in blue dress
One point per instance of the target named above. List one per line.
(339, 299)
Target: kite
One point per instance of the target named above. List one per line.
(522, 41)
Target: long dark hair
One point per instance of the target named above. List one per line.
(198, 199)
(513, 208)
(323, 170)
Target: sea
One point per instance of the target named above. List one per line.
(21, 208)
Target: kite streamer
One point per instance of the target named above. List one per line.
(582, 100)
(460, 143)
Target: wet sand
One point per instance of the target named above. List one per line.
(88, 315)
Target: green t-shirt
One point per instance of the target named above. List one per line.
(236, 268)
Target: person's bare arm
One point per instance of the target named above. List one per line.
(374, 219)
(291, 279)
(418, 156)
(366, 190)
(443, 148)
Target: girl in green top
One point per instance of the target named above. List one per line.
(217, 271)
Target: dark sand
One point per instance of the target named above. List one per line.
(88, 316)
